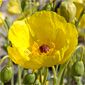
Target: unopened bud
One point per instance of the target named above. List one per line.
(6, 74)
(29, 79)
(78, 68)
(48, 6)
(14, 7)
(68, 10)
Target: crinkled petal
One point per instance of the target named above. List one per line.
(15, 55)
(79, 8)
(19, 34)
(24, 61)
(47, 26)
(72, 37)
(82, 22)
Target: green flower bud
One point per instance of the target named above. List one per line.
(68, 10)
(48, 6)
(29, 79)
(6, 74)
(78, 68)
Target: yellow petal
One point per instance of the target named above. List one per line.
(19, 34)
(82, 22)
(24, 61)
(78, 1)
(79, 8)
(0, 2)
(72, 37)
(1, 18)
(47, 26)
(16, 57)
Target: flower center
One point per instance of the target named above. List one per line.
(44, 48)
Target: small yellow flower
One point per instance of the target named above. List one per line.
(1, 18)
(42, 40)
(82, 22)
(14, 7)
(79, 8)
(78, 1)
(0, 2)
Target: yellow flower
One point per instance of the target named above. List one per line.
(0, 2)
(78, 1)
(1, 18)
(82, 22)
(14, 7)
(79, 9)
(42, 40)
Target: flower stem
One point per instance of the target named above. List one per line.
(60, 73)
(82, 53)
(45, 76)
(19, 75)
(12, 80)
(30, 2)
(41, 80)
(2, 83)
(55, 78)
(2, 60)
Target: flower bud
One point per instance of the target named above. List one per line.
(78, 68)
(6, 74)
(29, 79)
(48, 6)
(14, 7)
(68, 10)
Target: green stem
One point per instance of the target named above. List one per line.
(12, 80)
(41, 80)
(54, 71)
(19, 75)
(45, 76)
(25, 72)
(54, 5)
(81, 46)
(5, 25)
(82, 53)
(56, 68)
(2, 60)
(2, 83)
(55, 78)
(1, 34)
(60, 73)
(30, 2)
